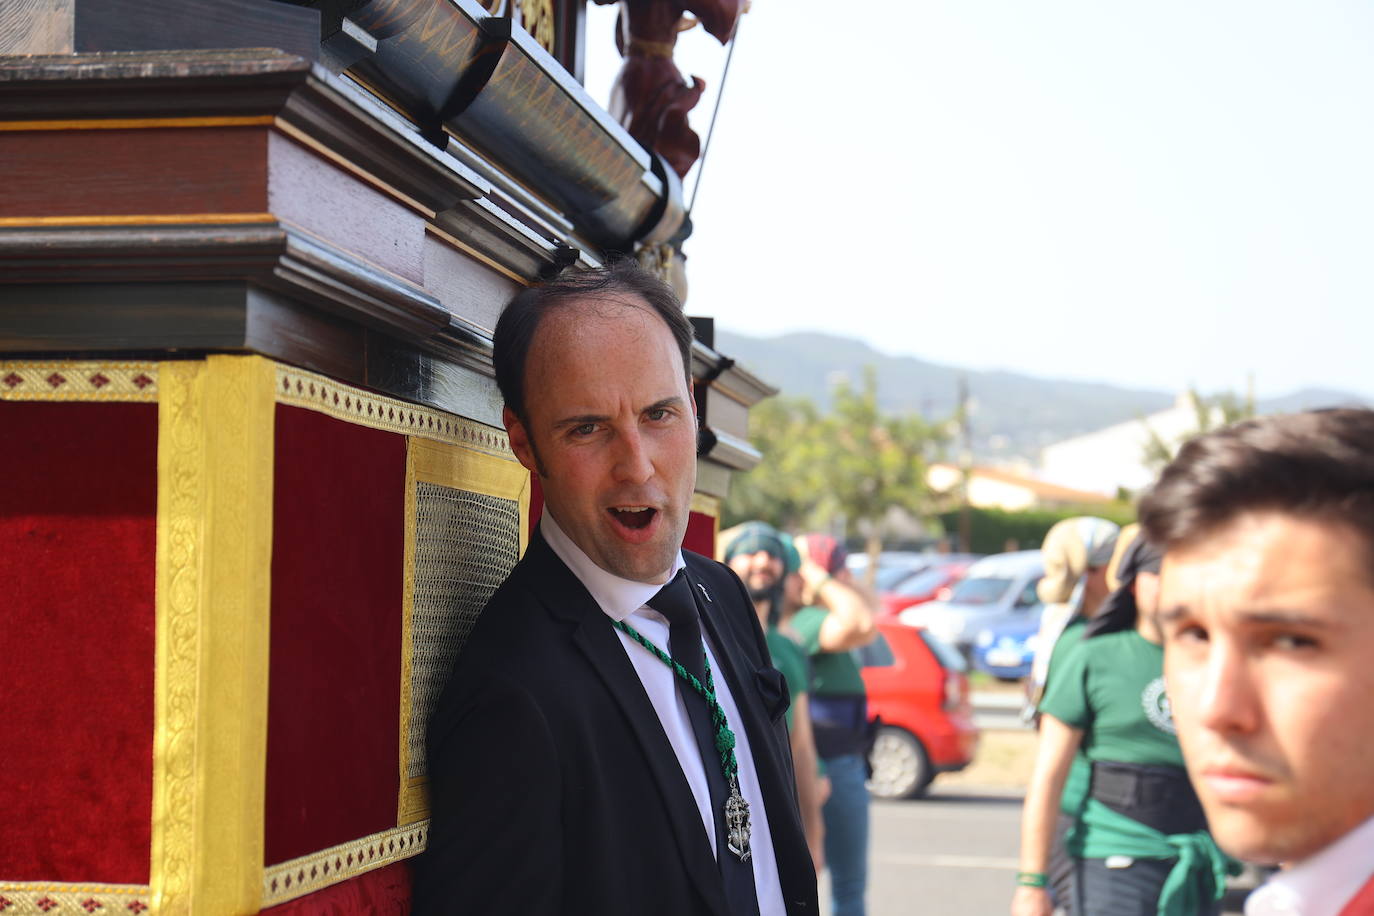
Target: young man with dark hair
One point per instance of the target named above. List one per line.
(1267, 611)
(611, 740)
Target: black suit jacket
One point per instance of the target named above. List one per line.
(553, 787)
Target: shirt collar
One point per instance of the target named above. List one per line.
(1319, 885)
(617, 597)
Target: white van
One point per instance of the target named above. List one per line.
(996, 590)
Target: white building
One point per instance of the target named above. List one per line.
(1113, 458)
(998, 488)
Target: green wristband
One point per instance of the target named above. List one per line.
(1032, 878)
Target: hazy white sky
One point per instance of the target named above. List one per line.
(1149, 194)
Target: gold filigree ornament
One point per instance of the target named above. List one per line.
(42, 898)
(537, 18)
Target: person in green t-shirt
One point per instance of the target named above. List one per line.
(835, 618)
(759, 555)
(1138, 844)
(1077, 553)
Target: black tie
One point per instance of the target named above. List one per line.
(674, 601)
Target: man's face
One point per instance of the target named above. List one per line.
(759, 571)
(1268, 628)
(612, 431)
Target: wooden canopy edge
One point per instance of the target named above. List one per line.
(729, 377)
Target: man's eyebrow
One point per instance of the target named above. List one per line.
(580, 419)
(1169, 615)
(1265, 618)
(1285, 618)
(673, 401)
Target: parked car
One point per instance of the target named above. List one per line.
(1007, 651)
(893, 566)
(918, 689)
(995, 590)
(924, 585)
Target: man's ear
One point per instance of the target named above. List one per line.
(519, 439)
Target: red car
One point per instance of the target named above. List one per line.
(918, 689)
(922, 586)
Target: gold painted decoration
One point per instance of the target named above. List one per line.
(706, 505)
(466, 526)
(139, 219)
(537, 17)
(180, 548)
(136, 123)
(301, 388)
(319, 870)
(52, 899)
(214, 531)
(67, 380)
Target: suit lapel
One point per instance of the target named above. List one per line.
(564, 596)
(775, 780)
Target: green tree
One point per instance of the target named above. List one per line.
(874, 462)
(850, 466)
(779, 489)
(1210, 414)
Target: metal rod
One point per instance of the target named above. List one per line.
(715, 112)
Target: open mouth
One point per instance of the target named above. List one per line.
(633, 517)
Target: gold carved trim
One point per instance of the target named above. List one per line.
(463, 469)
(319, 870)
(537, 17)
(127, 123)
(49, 899)
(67, 380)
(138, 219)
(214, 530)
(180, 549)
(301, 388)
(706, 505)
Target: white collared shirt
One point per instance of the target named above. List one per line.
(624, 600)
(1322, 884)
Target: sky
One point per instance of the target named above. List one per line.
(1155, 195)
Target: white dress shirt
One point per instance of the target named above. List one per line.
(624, 600)
(1322, 884)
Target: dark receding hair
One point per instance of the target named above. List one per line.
(1317, 465)
(520, 320)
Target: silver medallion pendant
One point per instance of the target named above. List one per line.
(737, 823)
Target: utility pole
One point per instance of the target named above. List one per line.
(965, 467)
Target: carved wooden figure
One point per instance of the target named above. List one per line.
(651, 97)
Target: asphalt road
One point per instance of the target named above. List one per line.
(952, 853)
(998, 709)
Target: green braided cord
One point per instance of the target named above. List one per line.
(725, 738)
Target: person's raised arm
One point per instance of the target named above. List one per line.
(1058, 744)
(849, 623)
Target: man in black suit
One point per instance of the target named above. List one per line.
(592, 754)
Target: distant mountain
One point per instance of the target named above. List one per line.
(1013, 415)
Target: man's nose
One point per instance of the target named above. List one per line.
(1228, 703)
(632, 460)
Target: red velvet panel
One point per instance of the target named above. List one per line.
(383, 892)
(536, 502)
(701, 534)
(333, 722)
(78, 537)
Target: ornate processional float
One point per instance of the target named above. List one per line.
(254, 487)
